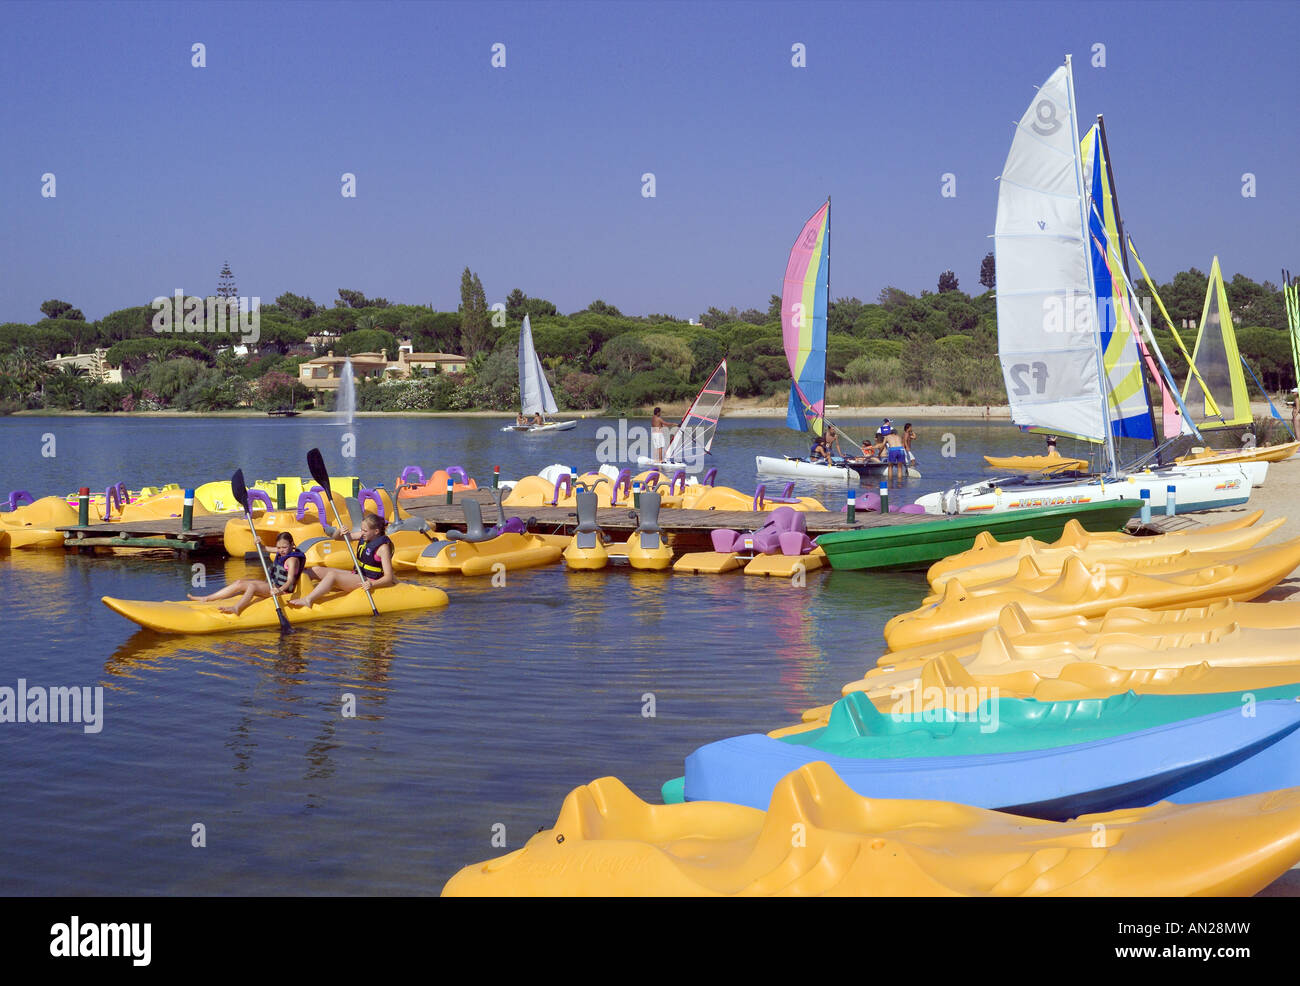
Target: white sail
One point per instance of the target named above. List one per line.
(534, 392)
(695, 436)
(1046, 309)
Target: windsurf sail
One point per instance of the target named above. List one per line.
(1047, 340)
(1291, 299)
(804, 299)
(1130, 408)
(694, 437)
(1225, 402)
(534, 391)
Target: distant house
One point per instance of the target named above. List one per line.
(95, 364)
(324, 372)
(408, 362)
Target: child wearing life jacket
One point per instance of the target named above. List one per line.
(374, 558)
(286, 568)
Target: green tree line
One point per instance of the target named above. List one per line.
(935, 347)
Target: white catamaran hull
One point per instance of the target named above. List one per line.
(549, 426)
(803, 469)
(1192, 490)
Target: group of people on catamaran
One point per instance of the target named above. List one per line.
(890, 446)
(374, 558)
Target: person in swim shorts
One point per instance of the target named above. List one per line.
(658, 435)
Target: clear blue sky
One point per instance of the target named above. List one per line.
(531, 174)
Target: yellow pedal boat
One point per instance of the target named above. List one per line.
(988, 549)
(1081, 590)
(607, 842)
(1139, 552)
(1036, 463)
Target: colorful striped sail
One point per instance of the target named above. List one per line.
(804, 299)
(1224, 401)
(1130, 407)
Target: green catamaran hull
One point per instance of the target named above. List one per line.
(917, 546)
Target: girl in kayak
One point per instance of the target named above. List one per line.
(374, 558)
(286, 569)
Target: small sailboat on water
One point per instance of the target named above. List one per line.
(534, 392)
(805, 298)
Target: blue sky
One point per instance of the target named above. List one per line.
(531, 174)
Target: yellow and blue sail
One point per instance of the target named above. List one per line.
(1129, 404)
(1223, 401)
(805, 296)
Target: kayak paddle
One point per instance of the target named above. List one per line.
(316, 465)
(240, 489)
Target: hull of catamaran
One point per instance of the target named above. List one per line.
(536, 429)
(1191, 489)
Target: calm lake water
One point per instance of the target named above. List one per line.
(483, 714)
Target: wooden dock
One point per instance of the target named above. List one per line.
(686, 530)
(206, 535)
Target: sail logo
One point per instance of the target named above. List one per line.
(1045, 122)
(1042, 224)
(188, 314)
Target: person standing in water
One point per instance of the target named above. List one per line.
(897, 455)
(285, 568)
(374, 558)
(658, 435)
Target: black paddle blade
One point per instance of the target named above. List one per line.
(240, 488)
(316, 466)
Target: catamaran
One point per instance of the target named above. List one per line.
(1216, 366)
(694, 436)
(805, 296)
(534, 392)
(1067, 335)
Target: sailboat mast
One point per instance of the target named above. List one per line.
(1087, 259)
(1123, 259)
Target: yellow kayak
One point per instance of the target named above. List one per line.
(608, 842)
(1086, 591)
(1036, 463)
(1266, 453)
(988, 549)
(191, 617)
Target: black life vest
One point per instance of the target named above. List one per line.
(280, 573)
(367, 561)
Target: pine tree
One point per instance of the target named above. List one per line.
(226, 283)
(475, 323)
(989, 271)
(947, 281)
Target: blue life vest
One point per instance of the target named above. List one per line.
(280, 573)
(370, 566)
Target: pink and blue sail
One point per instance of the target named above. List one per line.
(804, 299)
